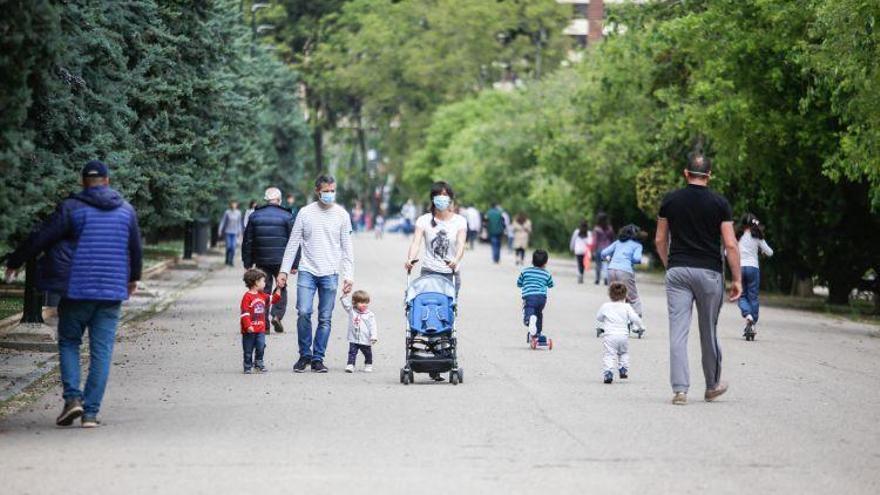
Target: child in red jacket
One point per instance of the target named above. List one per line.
(253, 318)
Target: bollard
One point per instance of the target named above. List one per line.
(33, 298)
(188, 241)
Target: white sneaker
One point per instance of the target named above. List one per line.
(533, 325)
(750, 319)
(349, 368)
(368, 368)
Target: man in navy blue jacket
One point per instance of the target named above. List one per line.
(265, 239)
(92, 248)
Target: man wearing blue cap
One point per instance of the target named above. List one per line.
(92, 248)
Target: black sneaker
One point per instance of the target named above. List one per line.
(623, 373)
(276, 324)
(436, 377)
(260, 367)
(300, 366)
(73, 409)
(318, 367)
(609, 377)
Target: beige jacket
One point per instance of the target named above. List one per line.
(521, 233)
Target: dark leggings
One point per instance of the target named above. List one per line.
(520, 254)
(580, 261)
(353, 349)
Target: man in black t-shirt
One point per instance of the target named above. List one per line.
(697, 220)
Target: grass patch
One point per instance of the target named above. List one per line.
(10, 306)
(157, 253)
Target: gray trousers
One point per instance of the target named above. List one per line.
(632, 292)
(684, 287)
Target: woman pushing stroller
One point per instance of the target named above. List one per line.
(443, 234)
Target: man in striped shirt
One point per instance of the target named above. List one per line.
(323, 231)
(534, 282)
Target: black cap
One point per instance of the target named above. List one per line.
(95, 169)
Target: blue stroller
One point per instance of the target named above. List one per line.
(431, 343)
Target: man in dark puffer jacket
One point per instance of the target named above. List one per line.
(93, 260)
(265, 239)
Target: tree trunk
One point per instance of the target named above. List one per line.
(318, 138)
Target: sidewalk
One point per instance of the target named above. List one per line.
(24, 367)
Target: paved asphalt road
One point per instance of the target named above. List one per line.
(180, 417)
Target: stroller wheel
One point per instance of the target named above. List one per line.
(453, 377)
(403, 376)
(406, 376)
(460, 375)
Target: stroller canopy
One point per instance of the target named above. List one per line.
(430, 283)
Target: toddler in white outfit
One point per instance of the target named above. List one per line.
(362, 329)
(613, 321)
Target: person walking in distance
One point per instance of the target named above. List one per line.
(323, 231)
(522, 231)
(93, 260)
(698, 221)
(474, 223)
(496, 228)
(230, 228)
(262, 246)
(247, 213)
(751, 244)
(581, 240)
(603, 236)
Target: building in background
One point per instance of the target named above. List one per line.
(587, 25)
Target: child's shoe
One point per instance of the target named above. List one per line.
(368, 368)
(248, 371)
(260, 367)
(680, 399)
(349, 368)
(623, 373)
(533, 325)
(609, 377)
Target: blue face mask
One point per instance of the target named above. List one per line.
(442, 202)
(328, 198)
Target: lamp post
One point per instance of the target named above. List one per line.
(254, 31)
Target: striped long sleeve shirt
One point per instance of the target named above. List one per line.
(325, 238)
(534, 281)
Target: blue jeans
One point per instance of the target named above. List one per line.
(251, 344)
(748, 303)
(230, 248)
(306, 287)
(496, 247)
(101, 318)
(534, 305)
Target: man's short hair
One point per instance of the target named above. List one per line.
(252, 276)
(324, 179)
(617, 291)
(273, 194)
(699, 164)
(540, 257)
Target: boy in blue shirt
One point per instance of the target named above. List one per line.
(534, 282)
(623, 253)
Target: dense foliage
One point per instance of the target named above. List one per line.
(783, 96)
(172, 94)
